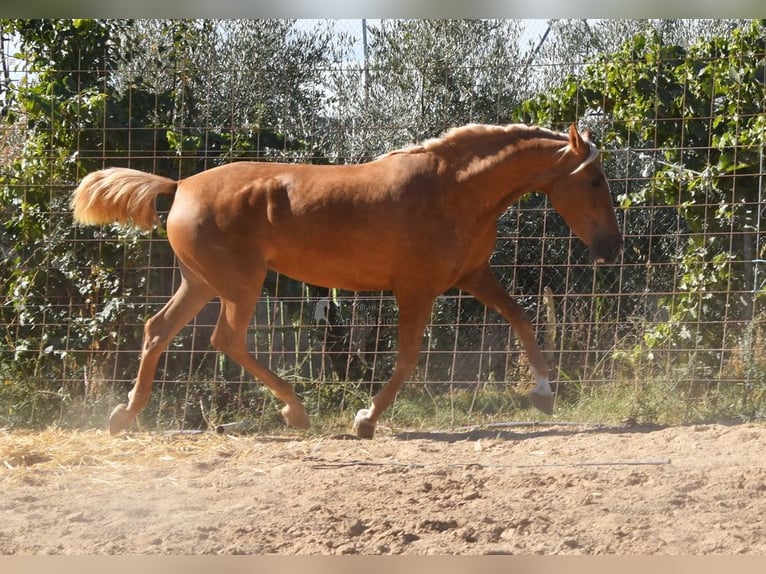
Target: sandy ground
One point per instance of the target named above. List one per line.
(568, 489)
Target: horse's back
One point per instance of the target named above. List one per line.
(378, 193)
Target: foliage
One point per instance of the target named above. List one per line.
(42, 276)
(711, 96)
(571, 44)
(421, 77)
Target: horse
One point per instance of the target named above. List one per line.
(416, 221)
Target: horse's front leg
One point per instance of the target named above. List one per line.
(483, 285)
(414, 312)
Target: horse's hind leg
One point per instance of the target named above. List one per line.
(185, 303)
(486, 288)
(413, 317)
(229, 337)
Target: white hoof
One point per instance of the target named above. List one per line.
(363, 426)
(541, 396)
(296, 416)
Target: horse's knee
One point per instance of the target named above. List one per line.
(230, 345)
(222, 340)
(155, 339)
(151, 344)
(216, 342)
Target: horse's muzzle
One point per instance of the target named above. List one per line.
(607, 250)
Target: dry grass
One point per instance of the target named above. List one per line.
(25, 455)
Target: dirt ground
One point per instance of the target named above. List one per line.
(505, 489)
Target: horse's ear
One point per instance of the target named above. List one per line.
(576, 142)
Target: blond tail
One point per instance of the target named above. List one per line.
(120, 195)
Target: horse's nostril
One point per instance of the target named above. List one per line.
(607, 251)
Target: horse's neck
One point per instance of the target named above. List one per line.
(501, 175)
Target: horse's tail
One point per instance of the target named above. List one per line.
(120, 195)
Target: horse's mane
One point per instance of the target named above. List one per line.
(509, 135)
(454, 137)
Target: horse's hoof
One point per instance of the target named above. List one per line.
(296, 416)
(363, 426)
(541, 402)
(120, 419)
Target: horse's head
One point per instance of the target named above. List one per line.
(583, 199)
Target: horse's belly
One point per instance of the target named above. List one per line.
(380, 266)
(324, 270)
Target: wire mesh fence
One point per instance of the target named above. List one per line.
(682, 309)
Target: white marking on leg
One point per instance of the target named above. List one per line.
(364, 427)
(362, 416)
(542, 386)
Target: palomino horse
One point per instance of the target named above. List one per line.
(416, 221)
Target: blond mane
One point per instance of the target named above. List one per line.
(500, 136)
(465, 134)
